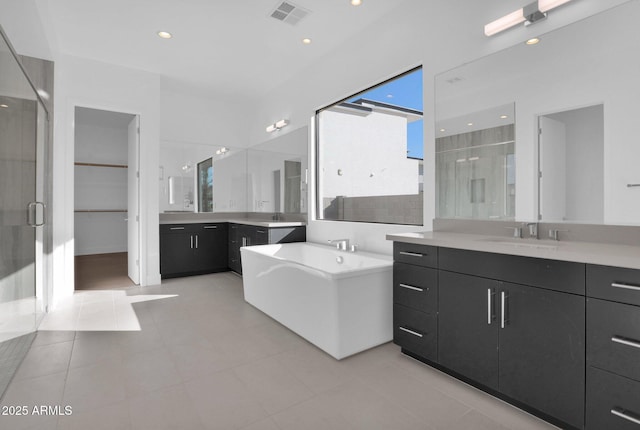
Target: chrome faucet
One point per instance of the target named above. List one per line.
(341, 244)
(533, 229)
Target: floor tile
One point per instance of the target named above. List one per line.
(169, 408)
(273, 384)
(223, 402)
(148, 371)
(109, 417)
(95, 386)
(45, 360)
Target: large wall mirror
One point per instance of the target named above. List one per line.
(269, 177)
(202, 178)
(567, 149)
(277, 174)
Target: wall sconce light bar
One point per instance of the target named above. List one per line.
(528, 15)
(277, 125)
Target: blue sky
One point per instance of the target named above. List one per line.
(404, 92)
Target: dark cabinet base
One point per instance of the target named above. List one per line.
(552, 420)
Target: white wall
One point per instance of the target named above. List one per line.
(87, 83)
(365, 155)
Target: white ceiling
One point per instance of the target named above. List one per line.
(232, 47)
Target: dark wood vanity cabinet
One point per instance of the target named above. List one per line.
(524, 341)
(513, 325)
(415, 299)
(246, 235)
(613, 348)
(192, 249)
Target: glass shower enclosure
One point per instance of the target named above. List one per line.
(25, 236)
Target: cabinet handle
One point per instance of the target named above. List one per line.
(415, 333)
(490, 294)
(261, 231)
(176, 228)
(625, 341)
(210, 226)
(625, 286)
(191, 241)
(196, 241)
(411, 287)
(503, 313)
(411, 254)
(244, 241)
(624, 414)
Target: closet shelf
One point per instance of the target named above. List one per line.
(117, 166)
(100, 210)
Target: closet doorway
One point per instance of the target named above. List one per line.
(106, 218)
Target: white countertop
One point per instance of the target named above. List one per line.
(580, 252)
(257, 223)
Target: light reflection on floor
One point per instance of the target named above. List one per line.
(101, 310)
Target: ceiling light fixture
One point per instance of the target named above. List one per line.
(4, 106)
(306, 41)
(529, 14)
(278, 125)
(222, 150)
(165, 34)
(356, 2)
(469, 124)
(532, 41)
(504, 116)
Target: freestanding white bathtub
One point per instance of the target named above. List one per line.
(342, 302)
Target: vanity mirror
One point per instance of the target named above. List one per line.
(277, 172)
(575, 150)
(185, 168)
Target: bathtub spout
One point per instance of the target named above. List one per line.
(341, 244)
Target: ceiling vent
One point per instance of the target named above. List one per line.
(289, 13)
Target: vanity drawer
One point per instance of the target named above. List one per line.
(614, 283)
(415, 287)
(564, 276)
(613, 337)
(613, 402)
(420, 255)
(415, 331)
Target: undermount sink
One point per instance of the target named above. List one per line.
(520, 243)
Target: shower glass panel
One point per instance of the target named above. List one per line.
(23, 240)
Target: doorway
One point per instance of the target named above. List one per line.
(571, 166)
(106, 209)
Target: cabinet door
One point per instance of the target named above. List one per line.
(176, 253)
(211, 250)
(542, 351)
(467, 327)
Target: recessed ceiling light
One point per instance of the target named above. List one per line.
(532, 41)
(469, 124)
(389, 96)
(356, 2)
(306, 41)
(4, 106)
(165, 34)
(442, 130)
(504, 116)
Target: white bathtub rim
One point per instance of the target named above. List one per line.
(388, 266)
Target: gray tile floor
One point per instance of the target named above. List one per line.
(208, 360)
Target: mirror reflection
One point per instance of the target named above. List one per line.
(202, 178)
(576, 99)
(277, 174)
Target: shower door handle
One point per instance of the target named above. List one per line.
(32, 214)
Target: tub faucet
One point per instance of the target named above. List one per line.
(341, 244)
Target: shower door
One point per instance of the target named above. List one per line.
(23, 241)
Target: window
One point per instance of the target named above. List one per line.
(370, 154)
(205, 185)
